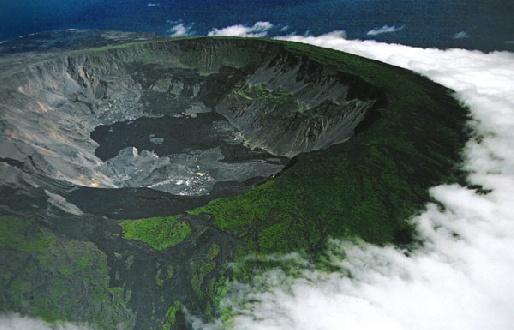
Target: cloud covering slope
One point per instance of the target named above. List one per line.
(462, 277)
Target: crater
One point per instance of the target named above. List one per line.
(237, 146)
(194, 118)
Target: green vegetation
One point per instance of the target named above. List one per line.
(261, 92)
(200, 269)
(171, 315)
(18, 234)
(57, 279)
(125, 45)
(158, 232)
(170, 272)
(158, 278)
(214, 251)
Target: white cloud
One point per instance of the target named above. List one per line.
(461, 35)
(180, 29)
(151, 4)
(259, 29)
(384, 29)
(15, 321)
(453, 282)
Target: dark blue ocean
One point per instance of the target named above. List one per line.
(477, 24)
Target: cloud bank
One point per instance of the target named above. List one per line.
(462, 277)
(384, 29)
(259, 29)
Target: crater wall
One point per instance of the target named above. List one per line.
(271, 99)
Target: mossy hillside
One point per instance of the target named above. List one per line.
(13, 229)
(57, 279)
(159, 233)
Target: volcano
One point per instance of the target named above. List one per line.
(133, 173)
